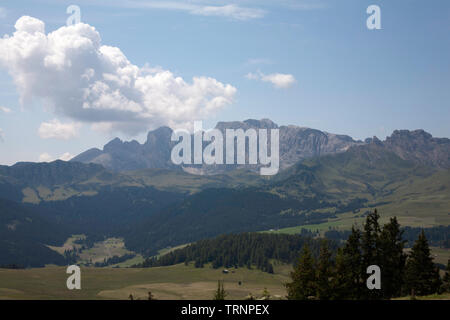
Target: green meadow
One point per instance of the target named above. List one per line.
(172, 282)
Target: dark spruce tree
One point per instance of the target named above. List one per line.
(392, 259)
(446, 279)
(324, 274)
(370, 247)
(348, 281)
(303, 285)
(220, 293)
(421, 274)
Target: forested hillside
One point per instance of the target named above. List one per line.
(24, 235)
(240, 250)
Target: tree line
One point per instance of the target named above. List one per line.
(438, 236)
(344, 277)
(240, 250)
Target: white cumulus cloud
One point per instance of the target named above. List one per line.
(203, 8)
(55, 129)
(46, 157)
(230, 10)
(278, 80)
(81, 79)
(5, 109)
(66, 156)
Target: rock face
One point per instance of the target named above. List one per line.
(118, 155)
(296, 143)
(49, 174)
(420, 147)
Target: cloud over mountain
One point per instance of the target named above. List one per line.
(46, 157)
(55, 129)
(5, 109)
(81, 79)
(278, 80)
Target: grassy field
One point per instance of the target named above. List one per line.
(101, 250)
(170, 249)
(444, 296)
(173, 282)
(343, 222)
(69, 244)
(130, 262)
(416, 203)
(177, 282)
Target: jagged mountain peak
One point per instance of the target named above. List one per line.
(296, 143)
(247, 124)
(407, 134)
(420, 147)
(161, 133)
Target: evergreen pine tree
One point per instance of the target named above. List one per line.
(370, 250)
(339, 284)
(269, 268)
(324, 273)
(446, 279)
(348, 282)
(303, 277)
(421, 275)
(370, 239)
(220, 293)
(392, 259)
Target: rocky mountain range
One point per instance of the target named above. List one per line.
(296, 143)
(420, 147)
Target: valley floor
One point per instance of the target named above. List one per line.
(171, 283)
(177, 282)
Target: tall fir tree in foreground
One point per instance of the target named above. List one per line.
(446, 279)
(421, 274)
(392, 259)
(345, 278)
(348, 282)
(324, 290)
(370, 247)
(220, 293)
(303, 285)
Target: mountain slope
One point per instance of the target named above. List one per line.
(24, 236)
(50, 174)
(217, 211)
(370, 170)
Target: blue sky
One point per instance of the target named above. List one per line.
(343, 78)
